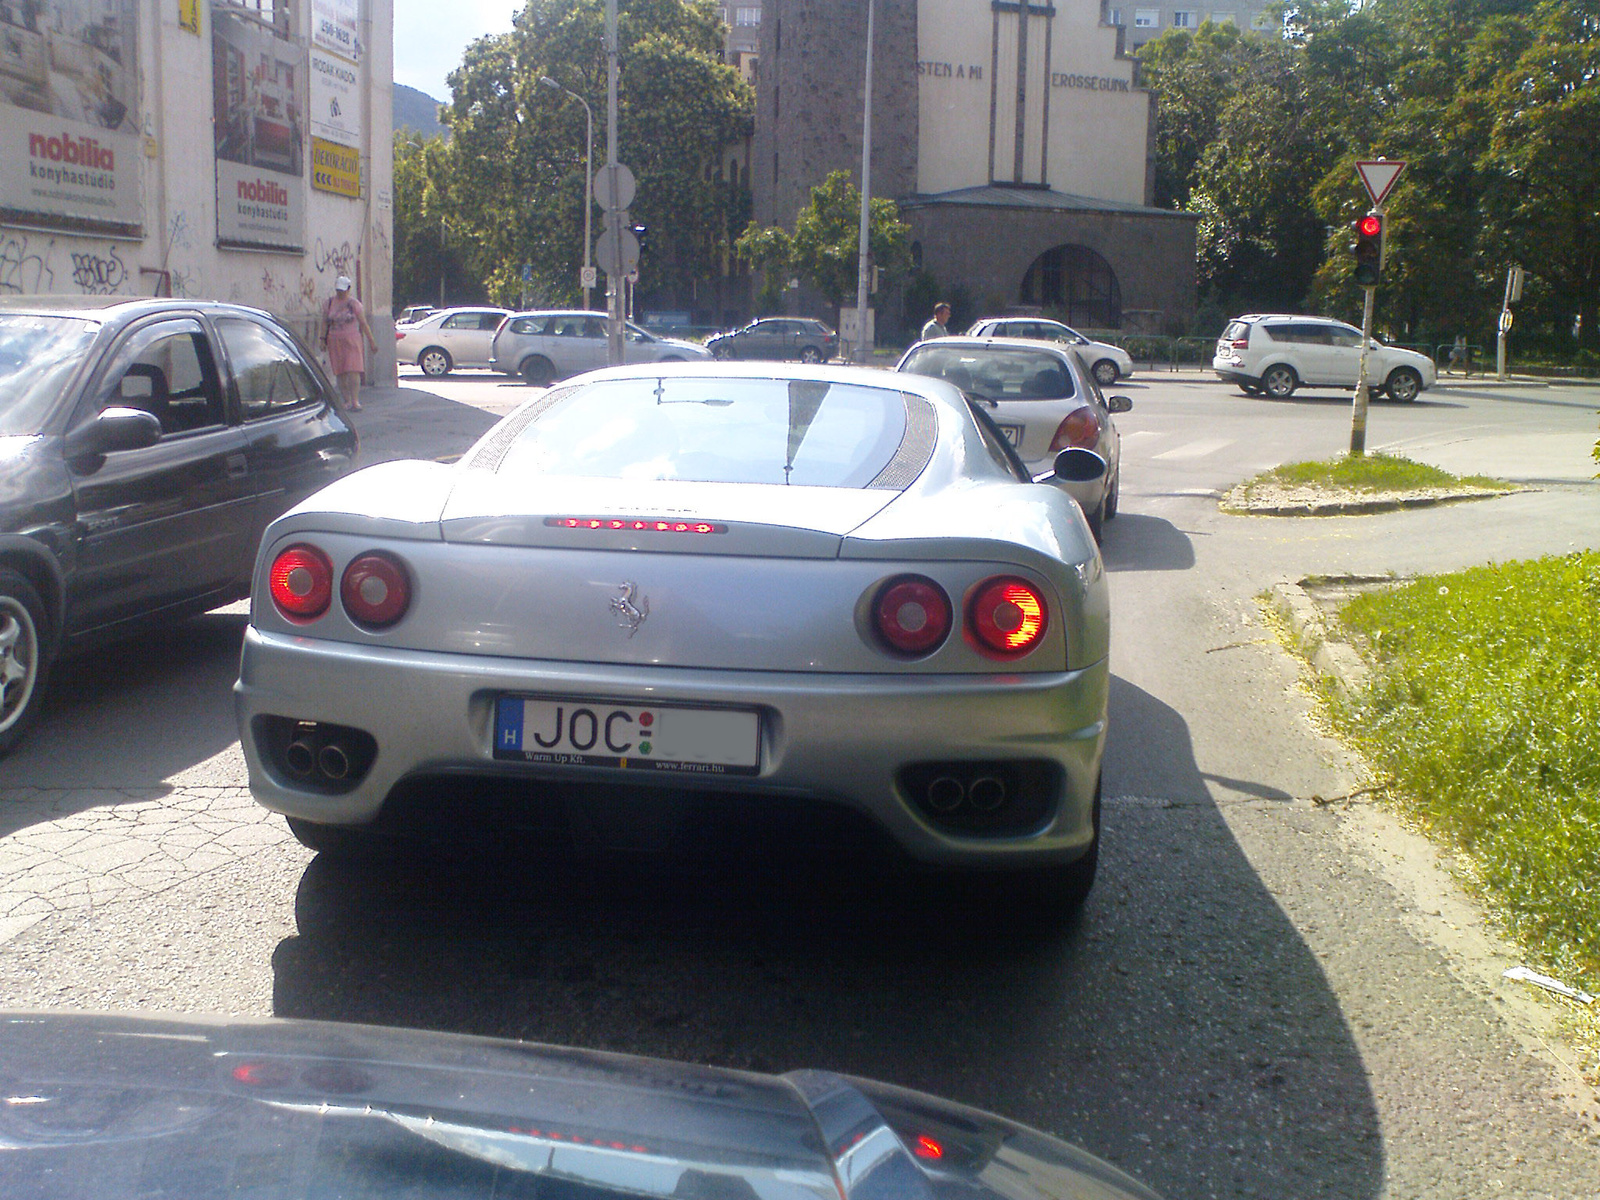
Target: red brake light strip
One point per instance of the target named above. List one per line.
(635, 524)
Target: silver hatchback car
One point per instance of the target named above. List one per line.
(545, 346)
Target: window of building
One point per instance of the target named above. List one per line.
(1224, 18)
(1114, 16)
(1146, 18)
(1183, 20)
(747, 16)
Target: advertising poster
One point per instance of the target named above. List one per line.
(336, 26)
(258, 102)
(69, 109)
(189, 15)
(335, 168)
(335, 98)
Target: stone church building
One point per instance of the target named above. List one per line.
(1012, 134)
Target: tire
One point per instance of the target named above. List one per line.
(27, 646)
(345, 843)
(537, 371)
(435, 362)
(1097, 520)
(1105, 372)
(1403, 384)
(1249, 389)
(1112, 496)
(810, 354)
(1279, 382)
(1056, 893)
(722, 353)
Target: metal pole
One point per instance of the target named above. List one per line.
(863, 271)
(588, 177)
(1500, 338)
(613, 213)
(1358, 411)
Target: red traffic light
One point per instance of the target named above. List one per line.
(1370, 225)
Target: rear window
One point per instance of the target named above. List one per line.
(995, 373)
(716, 431)
(1237, 331)
(37, 356)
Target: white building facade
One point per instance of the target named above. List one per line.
(213, 149)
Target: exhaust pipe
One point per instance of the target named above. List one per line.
(945, 793)
(333, 762)
(299, 757)
(987, 793)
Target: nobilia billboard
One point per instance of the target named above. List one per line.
(258, 84)
(69, 112)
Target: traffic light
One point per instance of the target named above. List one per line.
(1369, 249)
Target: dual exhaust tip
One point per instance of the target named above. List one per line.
(315, 756)
(330, 760)
(980, 794)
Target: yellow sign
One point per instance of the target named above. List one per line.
(189, 15)
(335, 168)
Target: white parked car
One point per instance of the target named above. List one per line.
(1108, 363)
(546, 346)
(1274, 354)
(443, 341)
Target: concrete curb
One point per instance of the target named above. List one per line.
(1335, 660)
(1232, 502)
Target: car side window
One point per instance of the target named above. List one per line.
(1348, 338)
(529, 325)
(593, 327)
(168, 372)
(268, 373)
(460, 321)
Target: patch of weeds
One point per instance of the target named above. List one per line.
(1484, 705)
(1369, 473)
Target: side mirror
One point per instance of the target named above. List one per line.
(1119, 404)
(1076, 465)
(114, 429)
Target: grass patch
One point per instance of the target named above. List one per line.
(1370, 473)
(1484, 705)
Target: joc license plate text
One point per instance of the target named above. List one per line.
(597, 733)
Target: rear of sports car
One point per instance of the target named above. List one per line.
(862, 636)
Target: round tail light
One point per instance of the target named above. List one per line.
(912, 615)
(1008, 616)
(375, 590)
(301, 583)
(1080, 428)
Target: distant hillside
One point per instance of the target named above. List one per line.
(416, 110)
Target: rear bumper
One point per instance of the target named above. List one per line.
(831, 737)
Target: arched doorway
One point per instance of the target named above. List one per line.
(1077, 283)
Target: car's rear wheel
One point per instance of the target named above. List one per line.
(1097, 519)
(537, 371)
(26, 648)
(1112, 496)
(810, 354)
(1403, 384)
(1105, 372)
(722, 353)
(1279, 382)
(434, 361)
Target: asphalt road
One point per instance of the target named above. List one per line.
(1265, 996)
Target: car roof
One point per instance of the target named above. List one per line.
(117, 308)
(1288, 317)
(982, 341)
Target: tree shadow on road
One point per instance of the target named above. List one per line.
(128, 718)
(1180, 1027)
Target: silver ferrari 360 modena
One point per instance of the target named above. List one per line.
(830, 585)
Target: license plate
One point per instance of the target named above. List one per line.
(1012, 433)
(643, 737)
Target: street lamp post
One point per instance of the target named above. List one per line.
(588, 178)
(864, 249)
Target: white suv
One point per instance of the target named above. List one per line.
(1276, 354)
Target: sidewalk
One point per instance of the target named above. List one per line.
(405, 422)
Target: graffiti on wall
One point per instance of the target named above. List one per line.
(97, 274)
(340, 259)
(25, 265)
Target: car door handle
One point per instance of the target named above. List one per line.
(238, 465)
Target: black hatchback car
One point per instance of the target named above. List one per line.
(144, 446)
(785, 338)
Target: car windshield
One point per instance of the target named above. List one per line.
(994, 373)
(37, 355)
(717, 431)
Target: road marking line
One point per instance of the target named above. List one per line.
(1197, 449)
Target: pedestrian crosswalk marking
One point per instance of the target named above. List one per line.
(1198, 449)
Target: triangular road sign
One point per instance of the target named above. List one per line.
(1378, 177)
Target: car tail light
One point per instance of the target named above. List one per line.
(1080, 428)
(399, 335)
(1008, 616)
(375, 590)
(1241, 343)
(912, 615)
(301, 582)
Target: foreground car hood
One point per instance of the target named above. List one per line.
(185, 1108)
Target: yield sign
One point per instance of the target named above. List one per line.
(1378, 177)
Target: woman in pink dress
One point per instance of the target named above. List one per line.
(344, 323)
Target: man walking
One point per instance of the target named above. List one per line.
(938, 327)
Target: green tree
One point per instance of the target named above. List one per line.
(516, 158)
(825, 248)
(427, 261)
